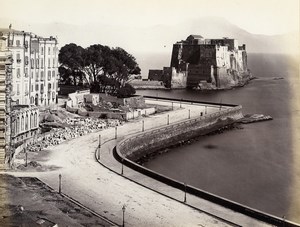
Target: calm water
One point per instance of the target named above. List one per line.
(254, 166)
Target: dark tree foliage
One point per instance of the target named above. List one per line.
(103, 68)
(126, 91)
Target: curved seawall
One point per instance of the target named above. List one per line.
(133, 148)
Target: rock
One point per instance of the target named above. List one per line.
(251, 118)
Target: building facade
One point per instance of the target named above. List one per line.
(24, 123)
(34, 68)
(5, 108)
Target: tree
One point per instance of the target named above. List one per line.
(126, 91)
(72, 63)
(102, 68)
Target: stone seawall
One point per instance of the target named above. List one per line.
(148, 142)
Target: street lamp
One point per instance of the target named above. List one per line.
(122, 171)
(123, 209)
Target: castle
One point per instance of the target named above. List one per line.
(205, 64)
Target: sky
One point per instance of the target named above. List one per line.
(256, 16)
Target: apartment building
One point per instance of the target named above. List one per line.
(34, 67)
(5, 118)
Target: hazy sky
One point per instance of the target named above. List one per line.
(256, 16)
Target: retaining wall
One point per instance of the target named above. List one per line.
(148, 142)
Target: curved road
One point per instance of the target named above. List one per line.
(105, 192)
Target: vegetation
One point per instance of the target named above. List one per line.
(102, 68)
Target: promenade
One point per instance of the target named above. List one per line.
(105, 191)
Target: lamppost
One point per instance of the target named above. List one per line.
(122, 171)
(185, 192)
(123, 209)
(59, 183)
(99, 148)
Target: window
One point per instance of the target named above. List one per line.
(32, 63)
(31, 118)
(36, 87)
(26, 60)
(36, 76)
(49, 62)
(18, 89)
(26, 122)
(18, 72)
(42, 63)
(49, 75)
(26, 45)
(26, 72)
(42, 75)
(26, 88)
(35, 119)
(53, 73)
(18, 43)
(42, 88)
(18, 58)
(22, 123)
(49, 50)
(31, 87)
(49, 86)
(37, 63)
(53, 65)
(42, 50)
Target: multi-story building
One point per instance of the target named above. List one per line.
(34, 68)
(5, 118)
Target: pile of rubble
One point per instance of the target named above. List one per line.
(75, 127)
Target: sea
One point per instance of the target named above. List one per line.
(259, 165)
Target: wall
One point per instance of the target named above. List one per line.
(139, 112)
(179, 78)
(155, 74)
(138, 146)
